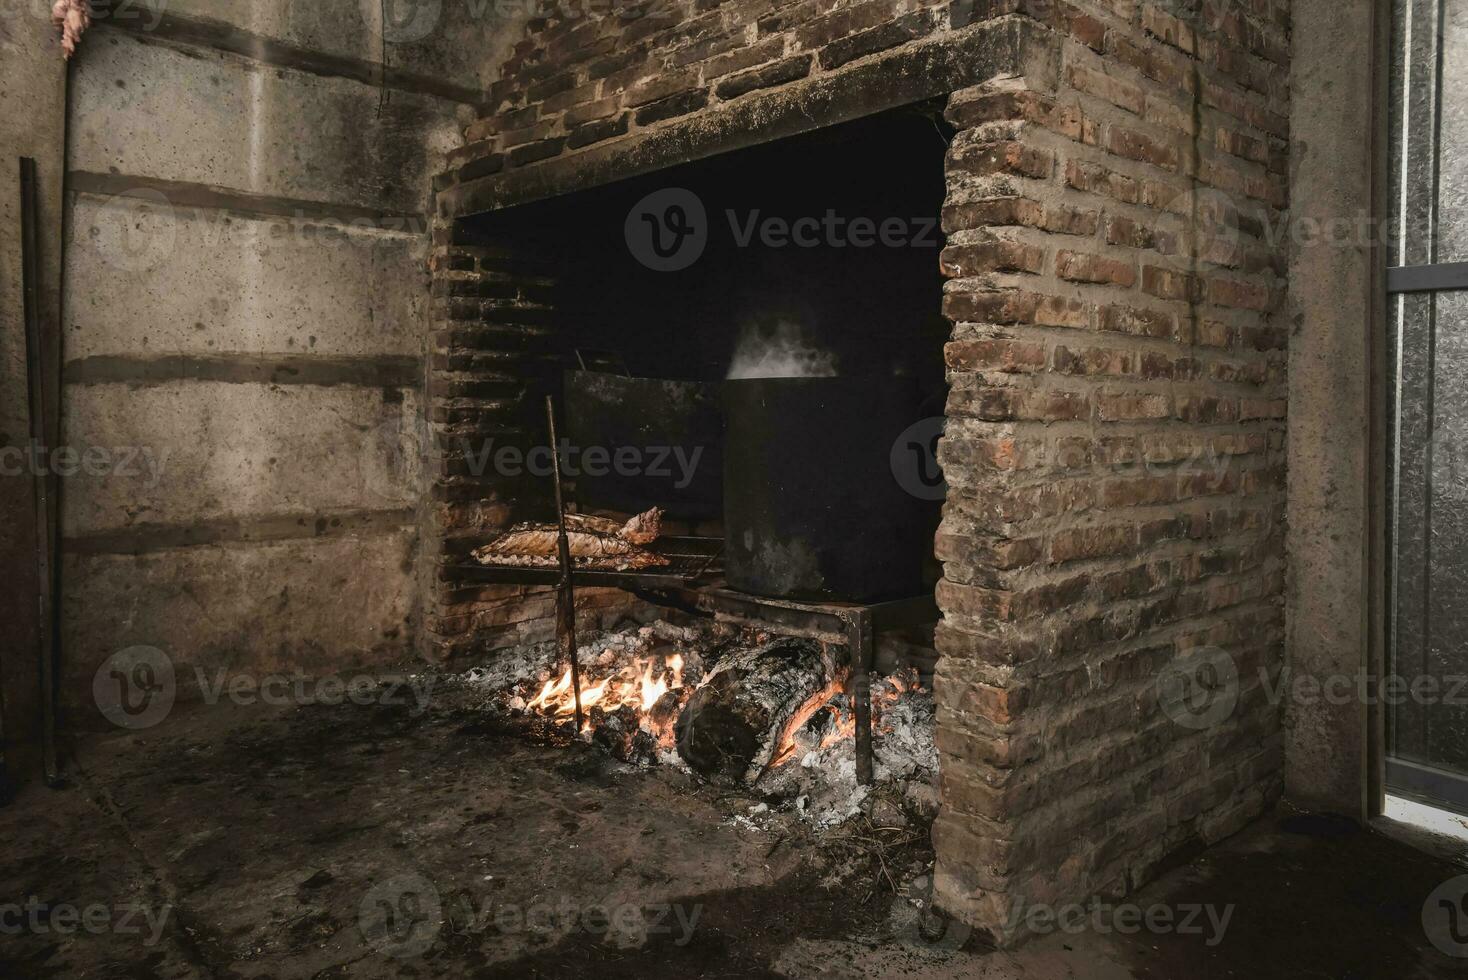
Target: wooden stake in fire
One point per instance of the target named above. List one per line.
(566, 596)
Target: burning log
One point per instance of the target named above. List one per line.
(736, 724)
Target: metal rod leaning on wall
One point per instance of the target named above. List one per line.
(862, 643)
(44, 485)
(565, 593)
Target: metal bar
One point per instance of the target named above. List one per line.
(1443, 789)
(4, 769)
(861, 644)
(566, 602)
(779, 613)
(43, 486)
(1427, 278)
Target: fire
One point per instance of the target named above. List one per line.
(651, 689)
(552, 691)
(844, 728)
(640, 684)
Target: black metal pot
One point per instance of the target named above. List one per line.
(812, 509)
(673, 428)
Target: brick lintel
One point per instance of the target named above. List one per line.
(914, 73)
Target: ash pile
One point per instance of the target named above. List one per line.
(735, 706)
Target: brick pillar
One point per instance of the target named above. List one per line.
(1114, 458)
(494, 350)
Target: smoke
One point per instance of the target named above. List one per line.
(779, 349)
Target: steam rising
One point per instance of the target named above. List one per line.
(779, 351)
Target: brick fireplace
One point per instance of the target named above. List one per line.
(1115, 357)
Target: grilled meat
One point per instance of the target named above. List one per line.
(594, 542)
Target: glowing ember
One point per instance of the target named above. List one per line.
(841, 724)
(788, 745)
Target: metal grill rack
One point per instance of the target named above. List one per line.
(689, 559)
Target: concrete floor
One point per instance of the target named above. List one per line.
(379, 842)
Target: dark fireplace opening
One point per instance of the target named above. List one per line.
(812, 256)
(774, 316)
(873, 305)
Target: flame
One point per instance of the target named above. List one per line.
(592, 695)
(643, 682)
(639, 685)
(844, 728)
(552, 691)
(651, 689)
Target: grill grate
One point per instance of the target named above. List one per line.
(689, 558)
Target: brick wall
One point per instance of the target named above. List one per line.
(493, 350)
(579, 80)
(1115, 443)
(1114, 452)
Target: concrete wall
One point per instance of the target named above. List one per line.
(246, 290)
(32, 100)
(1336, 455)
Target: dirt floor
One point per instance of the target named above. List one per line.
(388, 841)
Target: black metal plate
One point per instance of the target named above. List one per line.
(673, 429)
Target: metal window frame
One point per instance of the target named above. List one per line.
(1428, 784)
(1417, 192)
(1445, 277)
